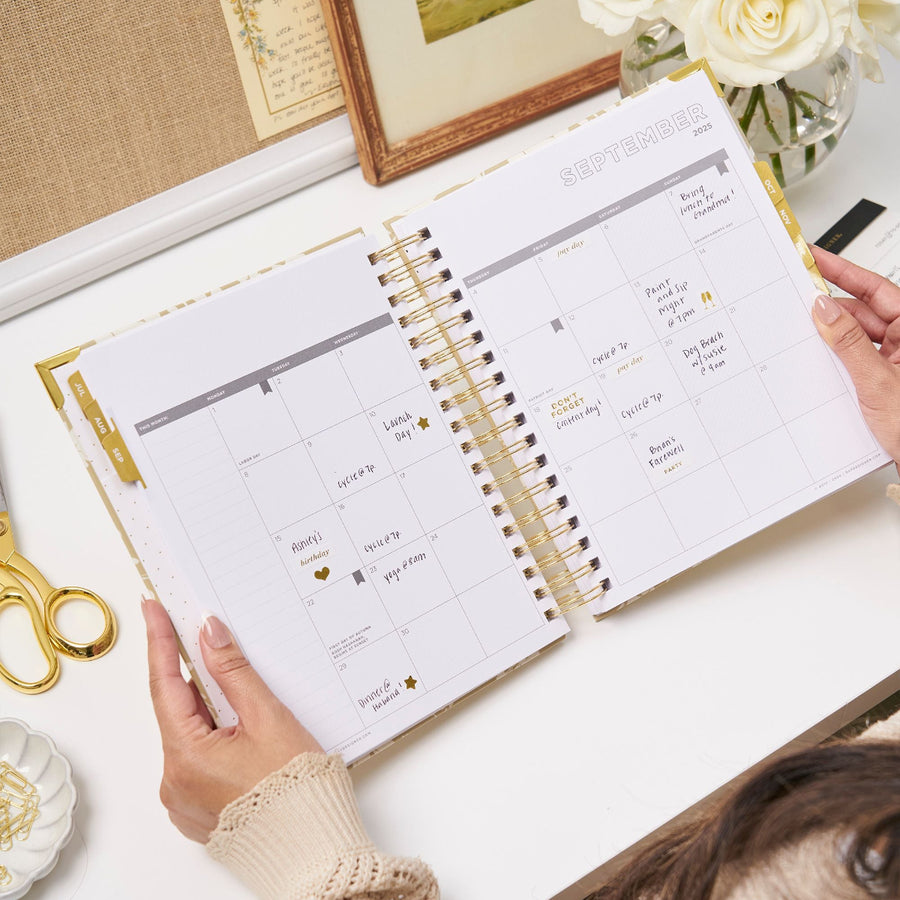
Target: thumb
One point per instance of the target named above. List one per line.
(247, 693)
(870, 371)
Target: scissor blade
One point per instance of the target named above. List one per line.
(3, 507)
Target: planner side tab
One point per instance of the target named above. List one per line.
(529, 507)
(789, 220)
(109, 437)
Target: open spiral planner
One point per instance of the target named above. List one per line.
(394, 464)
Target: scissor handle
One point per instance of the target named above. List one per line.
(12, 597)
(74, 649)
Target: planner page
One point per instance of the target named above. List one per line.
(302, 476)
(652, 313)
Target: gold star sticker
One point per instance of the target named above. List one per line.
(422, 423)
(410, 683)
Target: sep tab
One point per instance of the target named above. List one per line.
(120, 457)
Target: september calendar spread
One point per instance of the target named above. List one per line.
(391, 465)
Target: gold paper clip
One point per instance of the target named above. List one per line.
(14, 782)
(18, 806)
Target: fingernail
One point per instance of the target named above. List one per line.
(215, 634)
(145, 602)
(826, 310)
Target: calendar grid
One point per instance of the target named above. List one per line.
(317, 454)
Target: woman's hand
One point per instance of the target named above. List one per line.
(850, 325)
(205, 768)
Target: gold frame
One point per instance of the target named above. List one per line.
(383, 159)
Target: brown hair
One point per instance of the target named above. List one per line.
(842, 798)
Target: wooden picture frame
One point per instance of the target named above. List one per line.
(373, 41)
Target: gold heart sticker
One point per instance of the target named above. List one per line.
(322, 573)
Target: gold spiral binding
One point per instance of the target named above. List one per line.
(516, 472)
(438, 332)
(504, 453)
(535, 516)
(528, 494)
(419, 289)
(394, 251)
(492, 433)
(554, 557)
(453, 375)
(403, 268)
(451, 350)
(568, 577)
(576, 599)
(407, 269)
(427, 310)
(548, 534)
(470, 419)
(472, 393)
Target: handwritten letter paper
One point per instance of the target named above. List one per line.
(285, 61)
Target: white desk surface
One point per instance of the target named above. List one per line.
(532, 784)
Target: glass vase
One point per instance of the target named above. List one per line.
(793, 124)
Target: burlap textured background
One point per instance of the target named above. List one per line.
(104, 104)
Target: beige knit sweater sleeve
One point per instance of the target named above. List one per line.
(298, 836)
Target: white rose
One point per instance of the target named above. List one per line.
(874, 22)
(750, 42)
(617, 16)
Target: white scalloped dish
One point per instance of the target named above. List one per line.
(34, 755)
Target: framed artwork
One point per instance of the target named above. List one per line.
(425, 78)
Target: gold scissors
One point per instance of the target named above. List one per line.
(21, 584)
